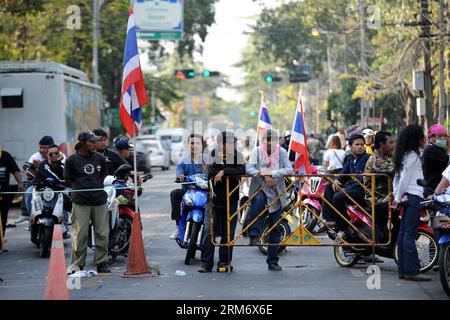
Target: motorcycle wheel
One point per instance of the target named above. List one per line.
(285, 232)
(126, 224)
(46, 241)
(444, 267)
(192, 245)
(308, 219)
(344, 257)
(427, 256)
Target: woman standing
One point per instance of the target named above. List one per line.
(408, 168)
(333, 159)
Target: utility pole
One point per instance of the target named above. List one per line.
(330, 78)
(425, 21)
(96, 5)
(442, 100)
(362, 26)
(345, 52)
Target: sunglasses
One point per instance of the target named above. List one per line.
(53, 154)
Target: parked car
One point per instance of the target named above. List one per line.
(159, 155)
(142, 157)
(175, 138)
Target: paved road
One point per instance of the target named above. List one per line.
(308, 273)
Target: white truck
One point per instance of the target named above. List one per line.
(45, 98)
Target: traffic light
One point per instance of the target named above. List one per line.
(253, 113)
(208, 73)
(300, 74)
(269, 79)
(183, 74)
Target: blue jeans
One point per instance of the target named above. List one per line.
(408, 260)
(257, 206)
(28, 195)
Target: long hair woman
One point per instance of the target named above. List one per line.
(333, 159)
(408, 168)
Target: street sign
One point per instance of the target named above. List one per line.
(159, 19)
(300, 74)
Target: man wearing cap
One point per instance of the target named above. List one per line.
(86, 169)
(435, 158)
(36, 159)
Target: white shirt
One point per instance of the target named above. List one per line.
(406, 180)
(335, 158)
(446, 173)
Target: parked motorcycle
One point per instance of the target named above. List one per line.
(121, 209)
(193, 206)
(348, 256)
(311, 198)
(440, 204)
(46, 211)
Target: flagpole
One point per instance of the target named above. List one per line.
(135, 168)
(259, 118)
(295, 120)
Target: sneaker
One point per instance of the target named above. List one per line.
(174, 235)
(103, 268)
(417, 277)
(73, 269)
(274, 267)
(224, 268)
(22, 219)
(205, 268)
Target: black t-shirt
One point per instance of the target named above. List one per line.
(7, 166)
(86, 173)
(434, 161)
(113, 160)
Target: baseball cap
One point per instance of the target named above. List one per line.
(88, 135)
(122, 143)
(437, 129)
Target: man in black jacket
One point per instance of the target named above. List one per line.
(435, 157)
(225, 161)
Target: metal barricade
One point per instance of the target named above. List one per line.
(301, 236)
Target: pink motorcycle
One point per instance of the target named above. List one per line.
(310, 195)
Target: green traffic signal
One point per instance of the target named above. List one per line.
(253, 113)
(191, 74)
(207, 73)
(268, 79)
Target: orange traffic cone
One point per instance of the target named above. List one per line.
(137, 262)
(57, 275)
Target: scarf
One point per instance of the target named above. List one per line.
(272, 160)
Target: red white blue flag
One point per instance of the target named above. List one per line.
(264, 122)
(298, 140)
(133, 95)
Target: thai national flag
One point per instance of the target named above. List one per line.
(264, 122)
(133, 95)
(298, 140)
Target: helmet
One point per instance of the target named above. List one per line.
(123, 171)
(437, 129)
(287, 133)
(368, 133)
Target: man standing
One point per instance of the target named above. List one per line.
(86, 169)
(268, 165)
(226, 161)
(190, 164)
(435, 158)
(114, 157)
(7, 166)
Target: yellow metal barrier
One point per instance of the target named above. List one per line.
(301, 236)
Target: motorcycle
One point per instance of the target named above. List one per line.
(193, 206)
(310, 195)
(46, 211)
(121, 209)
(440, 204)
(348, 256)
